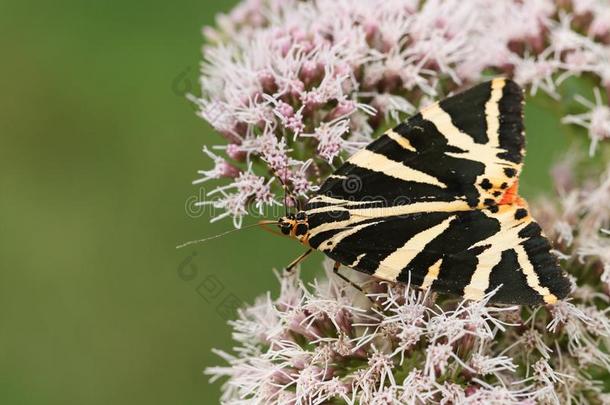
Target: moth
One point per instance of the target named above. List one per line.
(434, 203)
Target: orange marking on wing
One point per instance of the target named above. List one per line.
(511, 196)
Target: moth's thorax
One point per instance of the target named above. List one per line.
(295, 226)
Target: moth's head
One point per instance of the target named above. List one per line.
(294, 225)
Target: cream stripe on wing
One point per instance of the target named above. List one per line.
(442, 120)
(479, 282)
(506, 237)
(480, 152)
(330, 243)
(432, 274)
(338, 202)
(492, 112)
(330, 226)
(532, 278)
(379, 163)
(401, 140)
(379, 212)
(391, 266)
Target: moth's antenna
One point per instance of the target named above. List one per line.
(192, 242)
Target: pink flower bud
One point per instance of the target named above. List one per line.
(371, 28)
(226, 169)
(235, 152)
(284, 44)
(600, 27)
(267, 81)
(470, 390)
(310, 71)
(344, 108)
(296, 87)
(211, 34)
(284, 109)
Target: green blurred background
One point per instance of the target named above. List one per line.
(98, 148)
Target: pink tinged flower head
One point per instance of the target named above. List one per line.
(343, 109)
(311, 71)
(599, 128)
(236, 197)
(299, 180)
(235, 152)
(484, 365)
(584, 6)
(532, 339)
(371, 28)
(578, 61)
(267, 81)
(391, 106)
(452, 393)
(217, 114)
(537, 74)
(566, 313)
(221, 169)
(290, 119)
(408, 336)
(417, 387)
(330, 138)
(596, 120)
(437, 360)
(565, 233)
(381, 367)
(230, 205)
(488, 394)
(284, 110)
(600, 26)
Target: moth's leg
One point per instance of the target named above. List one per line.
(298, 260)
(347, 280)
(350, 282)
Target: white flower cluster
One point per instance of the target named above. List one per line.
(326, 344)
(292, 84)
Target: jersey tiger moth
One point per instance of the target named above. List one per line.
(434, 203)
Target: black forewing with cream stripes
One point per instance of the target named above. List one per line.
(425, 204)
(466, 148)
